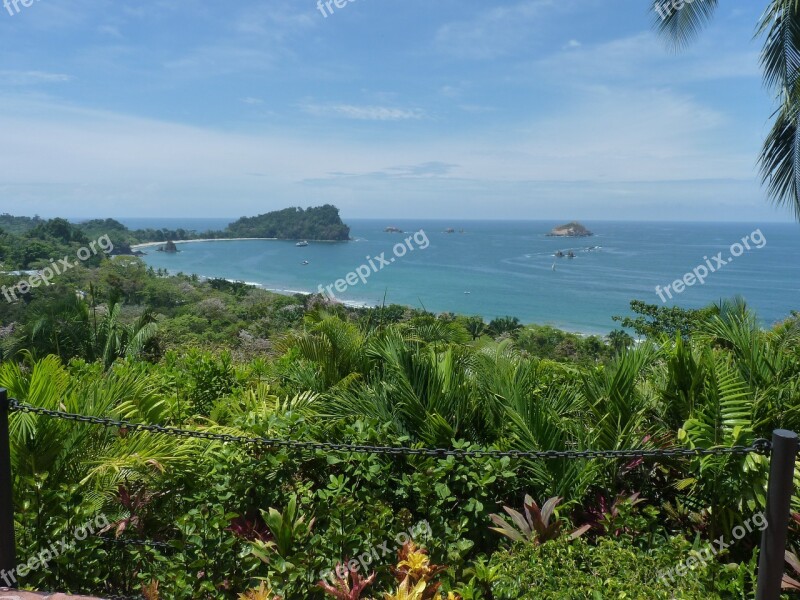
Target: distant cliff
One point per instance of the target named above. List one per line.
(571, 229)
(317, 223)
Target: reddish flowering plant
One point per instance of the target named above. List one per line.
(349, 587)
(134, 503)
(636, 462)
(249, 529)
(606, 515)
(536, 525)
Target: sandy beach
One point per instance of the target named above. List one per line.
(152, 244)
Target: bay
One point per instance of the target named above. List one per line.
(497, 268)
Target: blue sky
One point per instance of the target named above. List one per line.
(534, 109)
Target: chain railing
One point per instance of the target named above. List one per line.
(782, 450)
(759, 446)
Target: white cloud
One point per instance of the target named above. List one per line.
(492, 33)
(588, 149)
(110, 30)
(366, 113)
(642, 59)
(25, 78)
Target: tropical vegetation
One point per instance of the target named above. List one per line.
(225, 519)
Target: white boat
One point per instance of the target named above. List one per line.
(301, 244)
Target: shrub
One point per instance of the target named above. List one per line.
(566, 570)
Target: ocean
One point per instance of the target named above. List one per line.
(497, 268)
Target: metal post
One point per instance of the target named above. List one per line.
(779, 496)
(8, 549)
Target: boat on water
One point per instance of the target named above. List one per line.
(305, 262)
(559, 254)
(301, 244)
(570, 254)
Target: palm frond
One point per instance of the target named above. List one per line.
(680, 26)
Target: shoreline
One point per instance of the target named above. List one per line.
(176, 242)
(369, 304)
(137, 247)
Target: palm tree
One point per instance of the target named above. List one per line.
(501, 325)
(69, 327)
(110, 339)
(780, 61)
(619, 340)
(475, 326)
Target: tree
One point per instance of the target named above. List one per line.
(780, 61)
(475, 326)
(502, 325)
(655, 321)
(619, 340)
(70, 327)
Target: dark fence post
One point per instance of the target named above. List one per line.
(8, 549)
(779, 496)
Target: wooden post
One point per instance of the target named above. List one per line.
(8, 549)
(779, 497)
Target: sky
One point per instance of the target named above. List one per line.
(531, 109)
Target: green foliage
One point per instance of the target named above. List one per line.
(205, 378)
(475, 325)
(230, 359)
(577, 570)
(655, 321)
(11, 224)
(544, 341)
(501, 325)
(288, 529)
(74, 328)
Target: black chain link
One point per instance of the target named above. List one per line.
(759, 446)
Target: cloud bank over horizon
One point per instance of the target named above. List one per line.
(533, 109)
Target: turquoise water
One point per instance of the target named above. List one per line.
(507, 267)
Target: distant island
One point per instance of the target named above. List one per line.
(571, 229)
(58, 236)
(321, 223)
(393, 230)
